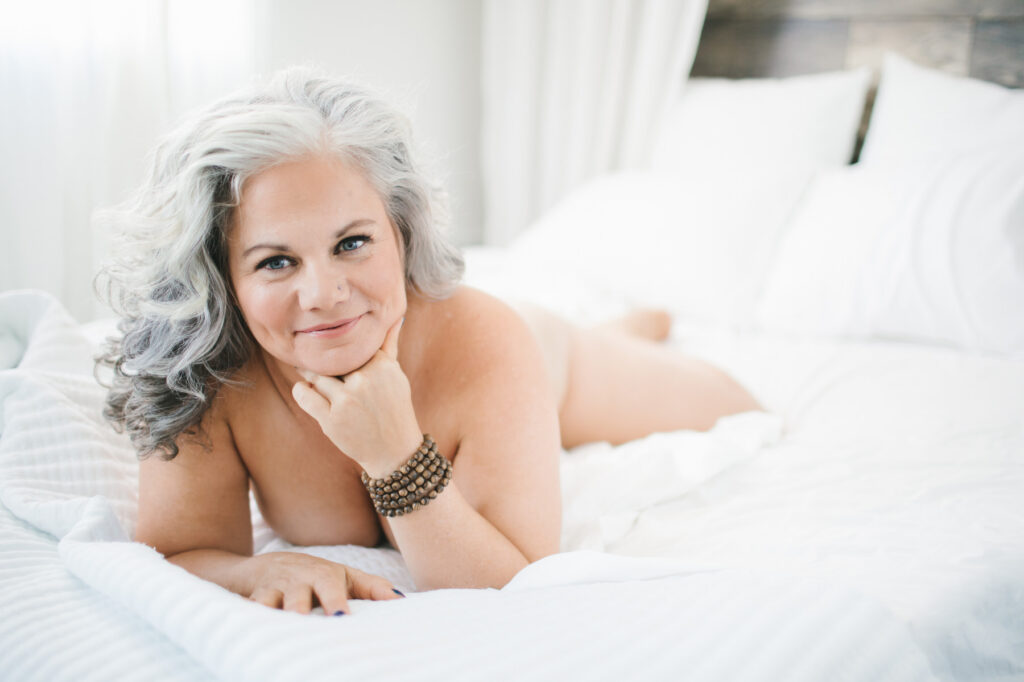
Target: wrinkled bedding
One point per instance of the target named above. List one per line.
(868, 525)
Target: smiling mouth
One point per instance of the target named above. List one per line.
(336, 327)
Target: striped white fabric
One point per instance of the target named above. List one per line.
(80, 602)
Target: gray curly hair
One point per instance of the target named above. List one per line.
(182, 335)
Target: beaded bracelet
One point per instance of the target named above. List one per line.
(414, 484)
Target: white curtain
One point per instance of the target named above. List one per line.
(573, 89)
(86, 86)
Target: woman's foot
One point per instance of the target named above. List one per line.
(653, 324)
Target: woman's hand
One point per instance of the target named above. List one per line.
(368, 414)
(296, 582)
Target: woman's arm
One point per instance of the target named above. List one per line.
(199, 499)
(502, 509)
(194, 509)
(450, 544)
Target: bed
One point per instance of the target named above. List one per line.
(867, 525)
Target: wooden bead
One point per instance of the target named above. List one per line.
(411, 486)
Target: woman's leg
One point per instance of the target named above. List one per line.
(616, 383)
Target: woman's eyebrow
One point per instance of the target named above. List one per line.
(272, 247)
(359, 222)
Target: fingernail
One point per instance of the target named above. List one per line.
(339, 613)
(397, 592)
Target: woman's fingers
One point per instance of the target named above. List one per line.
(326, 385)
(297, 582)
(367, 586)
(390, 345)
(333, 596)
(298, 599)
(311, 401)
(268, 596)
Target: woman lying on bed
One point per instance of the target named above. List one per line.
(292, 319)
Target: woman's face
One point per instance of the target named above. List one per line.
(316, 265)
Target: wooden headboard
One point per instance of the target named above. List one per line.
(776, 38)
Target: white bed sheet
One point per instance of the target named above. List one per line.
(901, 472)
(869, 526)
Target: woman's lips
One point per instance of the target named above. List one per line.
(332, 328)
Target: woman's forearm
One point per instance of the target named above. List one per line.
(227, 569)
(445, 544)
(449, 544)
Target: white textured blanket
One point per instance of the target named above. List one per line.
(81, 601)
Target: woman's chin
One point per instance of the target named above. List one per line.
(337, 368)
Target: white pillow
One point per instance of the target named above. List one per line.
(918, 251)
(697, 244)
(921, 113)
(810, 120)
(697, 234)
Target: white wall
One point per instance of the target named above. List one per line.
(86, 92)
(423, 54)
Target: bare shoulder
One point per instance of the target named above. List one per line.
(474, 314)
(236, 395)
(473, 331)
(481, 361)
(205, 480)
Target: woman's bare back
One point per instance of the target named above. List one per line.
(617, 381)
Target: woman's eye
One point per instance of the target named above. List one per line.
(352, 243)
(274, 263)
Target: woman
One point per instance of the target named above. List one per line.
(292, 323)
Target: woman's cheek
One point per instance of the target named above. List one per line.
(263, 311)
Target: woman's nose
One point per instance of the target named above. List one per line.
(322, 288)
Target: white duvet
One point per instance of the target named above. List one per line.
(869, 526)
